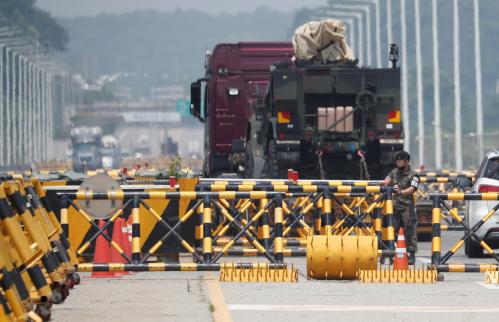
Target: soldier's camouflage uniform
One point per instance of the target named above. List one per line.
(404, 211)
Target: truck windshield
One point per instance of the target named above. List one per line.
(492, 169)
(85, 148)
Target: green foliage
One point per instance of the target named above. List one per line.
(38, 23)
(174, 167)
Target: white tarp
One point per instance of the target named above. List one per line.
(323, 40)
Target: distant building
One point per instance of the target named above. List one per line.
(169, 95)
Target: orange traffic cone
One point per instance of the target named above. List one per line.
(401, 261)
(102, 254)
(118, 239)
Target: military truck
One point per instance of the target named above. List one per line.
(325, 115)
(330, 120)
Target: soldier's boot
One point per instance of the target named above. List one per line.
(412, 258)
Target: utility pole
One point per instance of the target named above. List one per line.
(458, 153)
(437, 125)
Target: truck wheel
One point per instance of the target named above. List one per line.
(249, 163)
(472, 249)
(273, 170)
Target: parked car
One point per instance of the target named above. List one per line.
(487, 180)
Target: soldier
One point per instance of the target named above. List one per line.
(405, 183)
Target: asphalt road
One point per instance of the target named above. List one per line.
(198, 296)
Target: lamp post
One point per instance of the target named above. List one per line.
(478, 79)
(458, 154)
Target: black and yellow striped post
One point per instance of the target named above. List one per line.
(64, 215)
(6, 313)
(198, 230)
(34, 229)
(327, 216)
(377, 222)
(207, 238)
(12, 297)
(278, 230)
(465, 268)
(28, 256)
(264, 225)
(136, 251)
(388, 220)
(436, 243)
(169, 267)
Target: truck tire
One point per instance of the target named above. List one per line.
(273, 169)
(473, 249)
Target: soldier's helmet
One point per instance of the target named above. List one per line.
(403, 155)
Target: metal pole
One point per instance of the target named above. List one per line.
(478, 79)
(2, 104)
(389, 32)
(32, 113)
(50, 116)
(349, 20)
(419, 81)
(17, 98)
(8, 134)
(405, 96)
(367, 13)
(360, 29)
(458, 154)
(436, 87)
(378, 29)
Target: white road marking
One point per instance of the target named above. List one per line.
(489, 286)
(360, 308)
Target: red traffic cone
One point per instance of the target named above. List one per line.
(401, 261)
(102, 254)
(118, 239)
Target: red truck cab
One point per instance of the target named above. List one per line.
(235, 83)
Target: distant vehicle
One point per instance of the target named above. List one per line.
(169, 147)
(487, 180)
(86, 146)
(237, 76)
(111, 153)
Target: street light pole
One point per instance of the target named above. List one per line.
(478, 79)
(436, 87)
(419, 81)
(367, 14)
(360, 27)
(377, 15)
(405, 96)
(458, 155)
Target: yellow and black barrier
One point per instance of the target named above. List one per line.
(35, 266)
(440, 262)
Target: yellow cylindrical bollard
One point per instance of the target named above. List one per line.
(340, 257)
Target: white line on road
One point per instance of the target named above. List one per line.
(489, 286)
(360, 308)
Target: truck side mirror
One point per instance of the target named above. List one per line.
(463, 182)
(238, 146)
(195, 108)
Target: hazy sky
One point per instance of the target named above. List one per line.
(70, 8)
